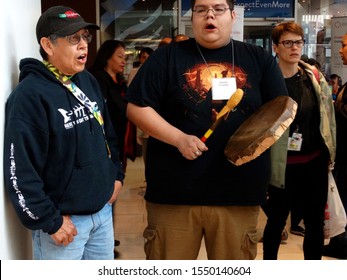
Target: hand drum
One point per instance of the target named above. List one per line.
(261, 130)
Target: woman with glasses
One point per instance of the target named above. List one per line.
(308, 150)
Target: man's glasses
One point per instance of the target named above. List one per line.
(74, 39)
(202, 11)
(289, 43)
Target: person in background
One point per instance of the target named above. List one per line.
(337, 246)
(312, 62)
(108, 68)
(335, 82)
(193, 191)
(61, 164)
(180, 37)
(164, 41)
(143, 55)
(303, 180)
(141, 136)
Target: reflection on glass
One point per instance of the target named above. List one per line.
(138, 23)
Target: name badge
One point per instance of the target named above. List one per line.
(223, 88)
(295, 142)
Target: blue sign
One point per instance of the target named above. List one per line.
(267, 8)
(185, 6)
(259, 8)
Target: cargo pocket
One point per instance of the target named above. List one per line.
(150, 240)
(249, 246)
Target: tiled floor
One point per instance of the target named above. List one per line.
(130, 221)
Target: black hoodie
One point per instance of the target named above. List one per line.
(55, 157)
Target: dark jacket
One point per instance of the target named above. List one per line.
(327, 127)
(55, 157)
(341, 125)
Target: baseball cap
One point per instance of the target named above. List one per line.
(62, 21)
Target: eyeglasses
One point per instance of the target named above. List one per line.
(217, 11)
(289, 43)
(74, 39)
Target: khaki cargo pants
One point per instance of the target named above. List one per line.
(175, 232)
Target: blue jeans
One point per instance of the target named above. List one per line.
(94, 239)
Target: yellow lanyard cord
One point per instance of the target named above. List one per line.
(80, 96)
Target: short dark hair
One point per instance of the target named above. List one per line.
(311, 61)
(147, 50)
(230, 3)
(337, 77)
(283, 27)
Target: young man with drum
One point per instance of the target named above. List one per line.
(193, 191)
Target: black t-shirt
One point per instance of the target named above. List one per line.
(176, 82)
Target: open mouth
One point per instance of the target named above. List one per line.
(210, 26)
(82, 57)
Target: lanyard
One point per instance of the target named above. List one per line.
(223, 87)
(81, 97)
(232, 57)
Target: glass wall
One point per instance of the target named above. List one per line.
(315, 17)
(138, 23)
(143, 23)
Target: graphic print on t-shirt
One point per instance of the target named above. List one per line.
(199, 78)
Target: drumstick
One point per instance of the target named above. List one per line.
(233, 101)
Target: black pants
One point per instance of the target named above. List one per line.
(306, 185)
(340, 174)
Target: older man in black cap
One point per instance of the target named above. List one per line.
(61, 163)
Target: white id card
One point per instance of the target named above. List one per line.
(223, 88)
(295, 142)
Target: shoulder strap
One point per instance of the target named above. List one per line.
(80, 96)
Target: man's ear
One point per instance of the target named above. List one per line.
(47, 45)
(233, 15)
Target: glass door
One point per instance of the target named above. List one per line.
(259, 35)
